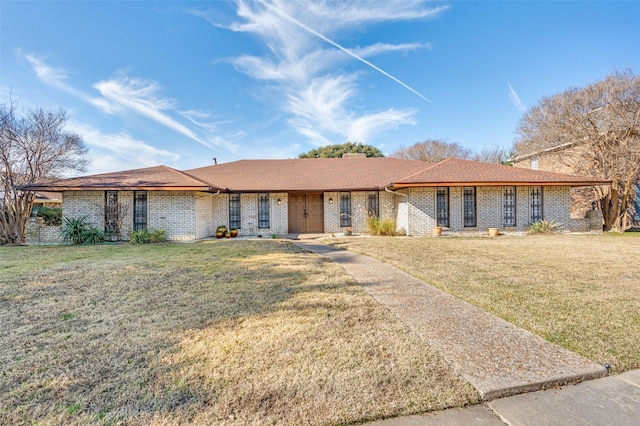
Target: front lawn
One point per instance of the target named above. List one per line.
(579, 291)
(220, 332)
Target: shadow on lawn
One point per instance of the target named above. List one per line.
(88, 341)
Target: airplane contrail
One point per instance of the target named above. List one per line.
(344, 49)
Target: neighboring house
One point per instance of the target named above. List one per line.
(555, 159)
(47, 199)
(324, 195)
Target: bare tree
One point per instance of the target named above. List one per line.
(33, 147)
(433, 151)
(595, 131)
(493, 155)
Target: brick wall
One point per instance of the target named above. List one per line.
(125, 200)
(221, 210)
(205, 223)
(489, 207)
(456, 209)
(359, 211)
(421, 210)
(388, 205)
(278, 214)
(76, 204)
(523, 207)
(38, 233)
(402, 213)
(174, 212)
(248, 214)
(556, 204)
(332, 212)
(417, 216)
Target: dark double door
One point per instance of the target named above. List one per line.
(306, 214)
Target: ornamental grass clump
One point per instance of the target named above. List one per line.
(544, 227)
(146, 236)
(381, 227)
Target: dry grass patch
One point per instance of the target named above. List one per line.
(230, 332)
(580, 291)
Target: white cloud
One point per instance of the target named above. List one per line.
(122, 95)
(364, 127)
(119, 151)
(142, 97)
(515, 99)
(380, 48)
(304, 59)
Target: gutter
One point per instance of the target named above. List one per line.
(386, 188)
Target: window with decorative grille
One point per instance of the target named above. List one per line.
(373, 204)
(442, 206)
(509, 206)
(469, 200)
(234, 211)
(345, 209)
(140, 210)
(264, 211)
(536, 203)
(111, 219)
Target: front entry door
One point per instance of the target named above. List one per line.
(306, 213)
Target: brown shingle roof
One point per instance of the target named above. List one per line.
(151, 178)
(315, 175)
(457, 172)
(307, 174)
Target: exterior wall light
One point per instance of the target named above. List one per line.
(279, 202)
(330, 200)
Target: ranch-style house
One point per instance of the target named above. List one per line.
(321, 195)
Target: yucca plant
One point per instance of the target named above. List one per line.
(77, 230)
(544, 227)
(74, 229)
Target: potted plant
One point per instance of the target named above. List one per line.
(233, 232)
(437, 231)
(221, 231)
(347, 232)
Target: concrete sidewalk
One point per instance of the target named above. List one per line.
(608, 401)
(498, 358)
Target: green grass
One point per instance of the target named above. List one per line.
(220, 332)
(579, 291)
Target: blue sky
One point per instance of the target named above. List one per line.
(181, 82)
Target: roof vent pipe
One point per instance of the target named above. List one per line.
(215, 161)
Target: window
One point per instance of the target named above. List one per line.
(140, 210)
(111, 219)
(345, 209)
(509, 206)
(469, 200)
(263, 211)
(536, 203)
(442, 206)
(534, 162)
(234, 211)
(373, 203)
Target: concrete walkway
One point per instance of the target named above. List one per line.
(609, 401)
(498, 358)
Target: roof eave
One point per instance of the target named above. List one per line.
(117, 188)
(399, 185)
